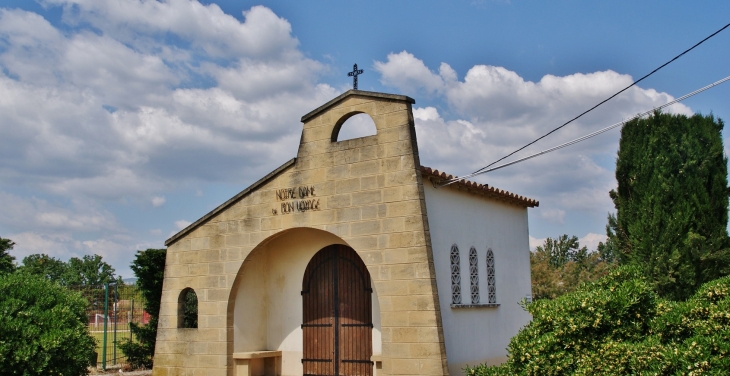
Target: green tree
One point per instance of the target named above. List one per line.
(90, 270)
(45, 266)
(7, 261)
(43, 328)
(149, 268)
(561, 250)
(560, 265)
(672, 201)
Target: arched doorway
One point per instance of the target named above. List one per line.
(337, 308)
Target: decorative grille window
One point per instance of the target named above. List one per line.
(473, 276)
(455, 276)
(490, 277)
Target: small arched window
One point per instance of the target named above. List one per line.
(491, 281)
(455, 276)
(187, 309)
(473, 276)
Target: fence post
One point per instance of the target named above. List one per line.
(116, 301)
(106, 318)
(131, 320)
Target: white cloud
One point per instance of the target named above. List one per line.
(408, 73)
(493, 111)
(64, 246)
(20, 213)
(359, 125)
(158, 201)
(181, 224)
(591, 240)
(553, 215)
(121, 113)
(129, 100)
(535, 242)
(55, 245)
(206, 27)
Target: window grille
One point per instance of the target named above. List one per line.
(490, 277)
(455, 276)
(473, 276)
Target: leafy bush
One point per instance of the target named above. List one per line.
(618, 325)
(43, 328)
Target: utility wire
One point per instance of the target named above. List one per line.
(604, 101)
(579, 139)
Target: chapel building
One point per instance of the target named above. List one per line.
(348, 260)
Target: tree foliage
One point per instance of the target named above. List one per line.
(43, 328)
(149, 268)
(672, 201)
(7, 261)
(90, 270)
(620, 326)
(40, 264)
(190, 310)
(560, 265)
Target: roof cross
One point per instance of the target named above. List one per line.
(355, 72)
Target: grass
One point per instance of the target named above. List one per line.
(98, 335)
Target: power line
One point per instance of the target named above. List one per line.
(604, 101)
(583, 138)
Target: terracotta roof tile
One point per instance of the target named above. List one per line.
(483, 189)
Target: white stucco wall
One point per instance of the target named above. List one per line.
(479, 335)
(268, 306)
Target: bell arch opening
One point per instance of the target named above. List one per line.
(353, 125)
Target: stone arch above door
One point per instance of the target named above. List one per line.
(265, 305)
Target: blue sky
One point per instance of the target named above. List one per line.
(122, 121)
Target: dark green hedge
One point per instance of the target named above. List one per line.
(43, 328)
(619, 326)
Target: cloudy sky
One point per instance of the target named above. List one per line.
(122, 121)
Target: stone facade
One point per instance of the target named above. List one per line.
(367, 191)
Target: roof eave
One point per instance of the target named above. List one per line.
(438, 177)
(230, 202)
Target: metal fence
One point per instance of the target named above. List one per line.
(112, 307)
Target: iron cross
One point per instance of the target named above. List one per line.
(354, 74)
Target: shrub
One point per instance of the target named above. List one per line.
(618, 325)
(43, 328)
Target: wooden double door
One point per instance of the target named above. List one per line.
(337, 325)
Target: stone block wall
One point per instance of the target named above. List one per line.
(369, 193)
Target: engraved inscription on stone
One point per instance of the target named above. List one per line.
(302, 199)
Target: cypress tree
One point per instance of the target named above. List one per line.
(672, 201)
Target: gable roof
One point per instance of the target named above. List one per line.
(481, 189)
(471, 187)
(230, 202)
(361, 93)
